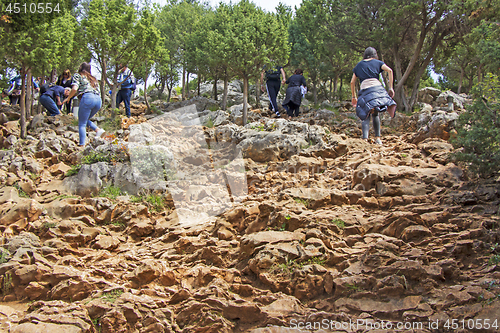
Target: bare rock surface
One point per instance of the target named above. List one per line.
(330, 229)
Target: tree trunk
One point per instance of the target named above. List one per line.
(471, 83)
(224, 98)
(29, 89)
(245, 99)
(102, 85)
(315, 92)
(257, 93)
(22, 103)
(53, 76)
(187, 85)
(183, 97)
(42, 81)
(423, 66)
(148, 109)
(341, 86)
(199, 83)
(461, 80)
(215, 88)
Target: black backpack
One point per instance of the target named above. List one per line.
(46, 86)
(273, 74)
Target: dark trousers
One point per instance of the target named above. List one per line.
(124, 95)
(273, 88)
(14, 100)
(292, 109)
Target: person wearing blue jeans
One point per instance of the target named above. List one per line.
(85, 85)
(126, 81)
(90, 104)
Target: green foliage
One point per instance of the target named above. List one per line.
(112, 296)
(108, 156)
(290, 266)
(48, 225)
(153, 162)
(110, 191)
(494, 260)
(4, 254)
(65, 196)
(120, 35)
(7, 283)
(74, 170)
(111, 124)
(20, 191)
(209, 123)
(339, 223)
(305, 202)
(155, 201)
(479, 130)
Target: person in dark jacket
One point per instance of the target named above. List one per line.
(273, 85)
(65, 80)
(293, 98)
(52, 99)
(373, 98)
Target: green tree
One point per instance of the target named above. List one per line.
(31, 40)
(176, 22)
(479, 130)
(405, 33)
(119, 35)
(258, 38)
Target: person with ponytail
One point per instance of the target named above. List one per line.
(85, 86)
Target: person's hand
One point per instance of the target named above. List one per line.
(262, 88)
(283, 81)
(391, 92)
(354, 101)
(65, 100)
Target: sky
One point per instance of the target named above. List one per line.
(267, 5)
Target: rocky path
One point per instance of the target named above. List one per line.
(335, 235)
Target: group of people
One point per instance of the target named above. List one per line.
(372, 99)
(82, 85)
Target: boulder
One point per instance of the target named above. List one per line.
(458, 100)
(428, 95)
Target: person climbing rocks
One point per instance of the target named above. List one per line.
(85, 86)
(372, 97)
(273, 85)
(293, 98)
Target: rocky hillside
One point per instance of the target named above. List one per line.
(189, 222)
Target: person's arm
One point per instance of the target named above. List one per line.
(391, 78)
(262, 81)
(354, 100)
(72, 93)
(58, 100)
(304, 81)
(284, 76)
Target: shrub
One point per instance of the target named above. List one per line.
(478, 130)
(111, 192)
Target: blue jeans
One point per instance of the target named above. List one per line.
(89, 105)
(50, 105)
(124, 95)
